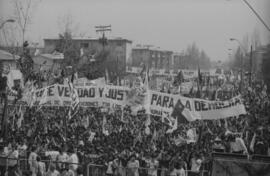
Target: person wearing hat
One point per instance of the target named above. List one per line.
(218, 146)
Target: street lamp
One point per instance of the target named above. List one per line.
(240, 44)
(6, 21)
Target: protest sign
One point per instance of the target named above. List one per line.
(155, 103)
(59, 95)
(196, 108)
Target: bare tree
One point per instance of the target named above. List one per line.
(66, 24)
(23, 10)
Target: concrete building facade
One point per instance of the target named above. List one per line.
(153, 58)
(119, 48)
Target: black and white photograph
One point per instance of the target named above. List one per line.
(134, 87)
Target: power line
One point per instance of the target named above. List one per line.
(258, 16)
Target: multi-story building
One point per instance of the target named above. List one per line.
(152, 57)
(178, 61)
(120, 49)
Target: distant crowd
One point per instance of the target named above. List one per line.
(120, 143)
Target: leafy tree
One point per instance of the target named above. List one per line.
(195, 58)
(66, 46)
(94, 68)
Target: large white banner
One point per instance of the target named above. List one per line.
(155, 103)
(92, 96)
(163, 104)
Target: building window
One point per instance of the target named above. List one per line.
(84, 45)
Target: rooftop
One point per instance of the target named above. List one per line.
(54, 56)
(4, 55)
(142, 47)
(93, 39)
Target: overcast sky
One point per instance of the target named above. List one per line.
(169, 24)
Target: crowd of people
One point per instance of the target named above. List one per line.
(124, 143)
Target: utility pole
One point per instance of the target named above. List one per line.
(103, 29)
(250, 76)
(241, 74)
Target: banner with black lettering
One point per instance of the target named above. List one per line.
(156, 103)
(93, 96)
(162, 103)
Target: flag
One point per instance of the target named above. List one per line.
(174, 127)
(85, 121)
(191, 91)
(104, 124)
(199, 82)
(107, 76)
(145, 93)
(179, 140)
(178, 112)
(19, 122)
(154, 136)
(73, 94)
(33, 95)
(147, 124)
(166, 119)
(192, 135)
(29, 93)
(43, 99)
(138, 138)
(69, 114)
(92, 136)
(143, 70)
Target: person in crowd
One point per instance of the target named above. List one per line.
(237, 145)
(196, 163)
(70, 171)
(178, 169)
(152, 166)
(22, 148)
(133, 166)
(73, 160)
(80, 171)
(259, 145)
(218, 146)
(32, 161)
(41, 167)
(48, 128)
(52, 171)
(62, 158)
